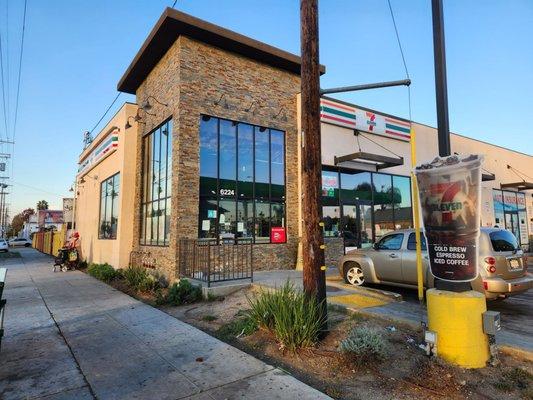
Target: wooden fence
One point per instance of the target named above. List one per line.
(49, 242)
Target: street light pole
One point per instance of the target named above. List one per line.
(314, 270)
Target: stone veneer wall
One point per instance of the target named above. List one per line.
(334, 250)
(191, 77)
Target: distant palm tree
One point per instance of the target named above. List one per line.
(42, 205)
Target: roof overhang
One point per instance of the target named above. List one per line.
(376, 160)
(173, 23)
(524, 185)
(487, 176)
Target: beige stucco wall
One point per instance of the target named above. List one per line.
(116, 252)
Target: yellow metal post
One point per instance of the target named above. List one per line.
(414, 190)
(457, 318)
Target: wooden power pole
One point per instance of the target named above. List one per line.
(314, 270)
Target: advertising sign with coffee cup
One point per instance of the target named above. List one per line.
(450, 198)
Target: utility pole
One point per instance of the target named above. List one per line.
(314, 270)
(2, 207)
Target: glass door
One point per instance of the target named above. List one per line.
(365, 223)
(511, 224)
(356, 225)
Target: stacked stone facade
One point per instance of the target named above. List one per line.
(190, 79)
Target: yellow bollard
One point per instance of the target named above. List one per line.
(457, 320)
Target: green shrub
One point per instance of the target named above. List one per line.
(142, 279)
(103, 272)
(135, 276)
(365, 343)
(295, 319)
(183, 292)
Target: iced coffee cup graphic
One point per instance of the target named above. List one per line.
(450, 195)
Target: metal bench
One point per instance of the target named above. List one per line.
(3, 273)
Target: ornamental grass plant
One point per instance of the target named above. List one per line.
(294, 318)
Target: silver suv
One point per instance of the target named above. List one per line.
(392, 261)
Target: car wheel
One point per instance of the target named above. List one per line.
(27, 245)
(353, 274)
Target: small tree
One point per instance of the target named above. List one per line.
(42, 205)
(16, 225)
(27, 213)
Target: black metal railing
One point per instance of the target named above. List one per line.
(139, 258)
(207, 261)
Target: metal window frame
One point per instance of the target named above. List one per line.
(254, 199)
(340, 203)
(112, 178)
(146, 203)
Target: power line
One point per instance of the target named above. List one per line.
(173, 4)
(36, 188)
(7, 68)
(106, 111)
(3, 84)
(398, 39)
(20, 70)
(403, 59)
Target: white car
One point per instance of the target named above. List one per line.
(20, 242)
(4, 247)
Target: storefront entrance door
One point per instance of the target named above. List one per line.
(511, 224)
(356, 225)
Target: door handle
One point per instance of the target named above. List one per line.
(392, 255)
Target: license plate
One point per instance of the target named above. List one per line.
(514, 264)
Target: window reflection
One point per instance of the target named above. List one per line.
(262, 222)
(356, 186)
(108, 223)
(401, 197)
(157, 177)
(262, 170)
(242, 180)
(331, 216)
(368, 205)
(246, 160)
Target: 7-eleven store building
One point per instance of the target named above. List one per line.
(366, 165)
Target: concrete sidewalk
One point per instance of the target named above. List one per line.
(69, 336)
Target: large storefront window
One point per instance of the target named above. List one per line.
(242, 180)
(363, 206)
(401, 199)
(157, 180)
(108, 224)
(510, 213)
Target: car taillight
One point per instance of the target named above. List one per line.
(490, 264)
(485, 285)
(490, 260)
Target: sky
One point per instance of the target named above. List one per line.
(76, 51)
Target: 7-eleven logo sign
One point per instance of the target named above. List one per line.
(371, 121)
